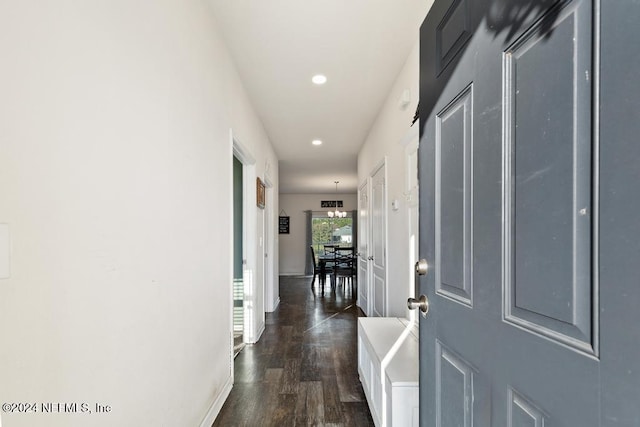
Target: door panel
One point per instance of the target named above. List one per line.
(506, 182)
(548, 181)
(452, 33)
(453, 199)
(522, 412)
(454, 389)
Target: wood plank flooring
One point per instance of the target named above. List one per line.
(304, 369)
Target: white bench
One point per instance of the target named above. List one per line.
(388, 368)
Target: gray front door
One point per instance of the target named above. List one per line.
(529, 217)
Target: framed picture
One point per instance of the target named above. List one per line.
(331, 203)
(260, 193)
(283, 225)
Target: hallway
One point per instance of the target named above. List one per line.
(303, 371)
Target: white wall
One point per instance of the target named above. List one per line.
(387, 137)
(293, 246)
(248, 131)
(115, 177)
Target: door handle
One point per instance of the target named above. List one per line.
(370, 258)
(422, 303)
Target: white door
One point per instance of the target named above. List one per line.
(377, 256)
(270, 290)
(363, 248)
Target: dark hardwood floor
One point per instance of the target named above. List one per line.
(303, 371)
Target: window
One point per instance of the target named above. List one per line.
(330, 231)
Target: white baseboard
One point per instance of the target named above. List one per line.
(249, 339)
(260, 331)
(275, 306)
(216, 406)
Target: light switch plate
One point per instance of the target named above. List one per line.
(5, 252)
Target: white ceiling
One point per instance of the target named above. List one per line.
(278, 45)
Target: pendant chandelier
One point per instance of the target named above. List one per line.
(337, 213)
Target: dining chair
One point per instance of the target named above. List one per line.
(344, 269)
(329, 250)
(319, 270)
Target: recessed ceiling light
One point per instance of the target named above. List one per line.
(319, 79)
(316, 142)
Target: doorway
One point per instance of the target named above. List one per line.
(244, 315)
(238, 259)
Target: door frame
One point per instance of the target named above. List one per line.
(249, 244)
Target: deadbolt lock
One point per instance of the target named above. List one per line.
(422, 267)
